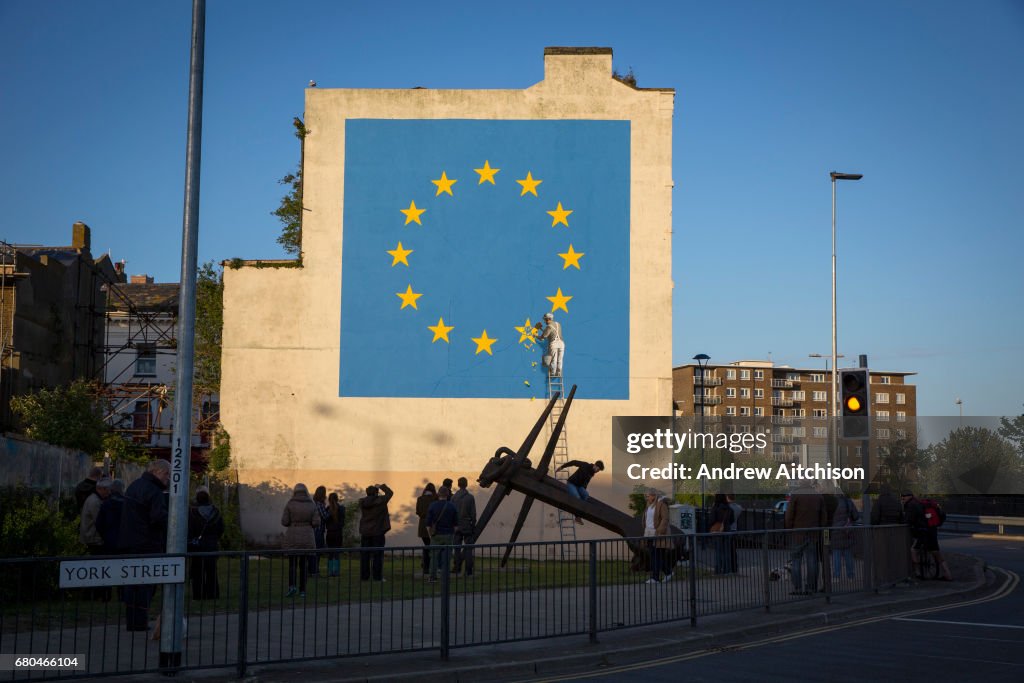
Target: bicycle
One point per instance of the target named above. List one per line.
(927, 567)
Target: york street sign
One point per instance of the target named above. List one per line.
(121, 572)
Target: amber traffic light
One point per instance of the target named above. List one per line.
(855, 393)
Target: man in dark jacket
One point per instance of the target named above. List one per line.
(887, 509)
(806, 510)
(465, 504)
(144, 531)
(580, 479)
(87, 486)
(428, 496)
(442, 519)
(374, 522)
(925, 537)
(108, 522)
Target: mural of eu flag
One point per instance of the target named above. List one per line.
(459, 235)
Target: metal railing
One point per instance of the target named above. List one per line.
(982, 523)
(244, 609)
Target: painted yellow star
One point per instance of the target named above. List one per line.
(412, 213)
(529, 184)
(409, 297)
(525, 333)
(572, 258)
(399, 255)
(440, 330)
(483, 343)
(558, 216)
(559, 300)
(486, 173)
(444, 184)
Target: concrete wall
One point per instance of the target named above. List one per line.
(40, 465)
(280, 399)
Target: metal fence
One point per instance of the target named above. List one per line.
(261, 610)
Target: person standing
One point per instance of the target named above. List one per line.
(89, 534)
(87, 486)
(925, 536)
(737, 512)
(552, 336)
(465, 505)
(205, 527)
(442, 518)
(428, 496)
(320, 500)
(722, 520)
(334, 533)
(843, 519)
(656, 530)
(144, 531)
(580, 479)
(374, 523)
(891, 556)
(806, 510)
(300, 517)
(108, 521)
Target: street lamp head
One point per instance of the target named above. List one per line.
(835, 175)
(702, 356)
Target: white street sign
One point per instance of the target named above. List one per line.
(122, 572)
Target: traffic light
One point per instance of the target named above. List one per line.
(855, 403)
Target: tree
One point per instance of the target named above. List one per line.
(70, 416)
(1013, 430)
(973, 460)
(209, 329)
(289, 212)
(900, 464)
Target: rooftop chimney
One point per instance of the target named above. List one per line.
(81, 236)
(142, 280)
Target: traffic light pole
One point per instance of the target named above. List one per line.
(865, 449)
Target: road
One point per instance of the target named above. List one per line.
(976, 640)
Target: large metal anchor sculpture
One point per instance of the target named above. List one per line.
(513, 471)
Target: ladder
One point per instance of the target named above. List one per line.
(566, 520)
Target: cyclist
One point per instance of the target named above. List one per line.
(926, 538)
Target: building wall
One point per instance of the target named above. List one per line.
(280, 390)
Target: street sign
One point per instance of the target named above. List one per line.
(122, 572)
(682, 516)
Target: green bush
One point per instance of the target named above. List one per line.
(30, 526)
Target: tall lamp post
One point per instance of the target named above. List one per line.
(825, 356)
(835, 375)
(702, 362)
(960, 404)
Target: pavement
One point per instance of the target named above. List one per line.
(547, 657)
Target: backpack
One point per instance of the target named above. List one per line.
(934, 516)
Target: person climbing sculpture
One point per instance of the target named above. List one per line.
(551, 334)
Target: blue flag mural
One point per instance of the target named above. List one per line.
(459, 235)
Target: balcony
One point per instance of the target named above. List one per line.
(782, 384)
(783, 402)
(707, 381)
(707, 400)
(795, 380)
(782, 420)
(782, 438)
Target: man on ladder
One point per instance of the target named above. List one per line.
(552, 336)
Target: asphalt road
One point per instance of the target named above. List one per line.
(978, 640)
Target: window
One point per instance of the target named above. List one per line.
(820, 432)
(799, 412)
(901, 399)
(799, 395)
(884, 379)
(901, 416)
(883, 433)
(758, 412)
(881, 398)
(730, 410)
(145, 360)
(730, 374)
(818, 413)
(901, 433)
(758, 374)
(744, 393)
(800, 432)
(882, 415)
(758, 393)
(744, 374)
(820, 395)
(858, 451)
(817, 377)
(745, 411)
(759, 450)
(730, 392)
(793, 376)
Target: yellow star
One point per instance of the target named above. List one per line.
(529, 184)
(557, 216)
(444, 184)
(399, 255)
(409, 297)
(525, 333)
(486, 173)
(483, 343)
(412, 213)
(572, 258)
(558, 301)
(440, 330)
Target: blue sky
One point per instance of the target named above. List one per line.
(924, 98)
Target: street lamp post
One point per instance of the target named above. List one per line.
(960, 404)
(835, 376)
(825, 356)
(702, 362)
